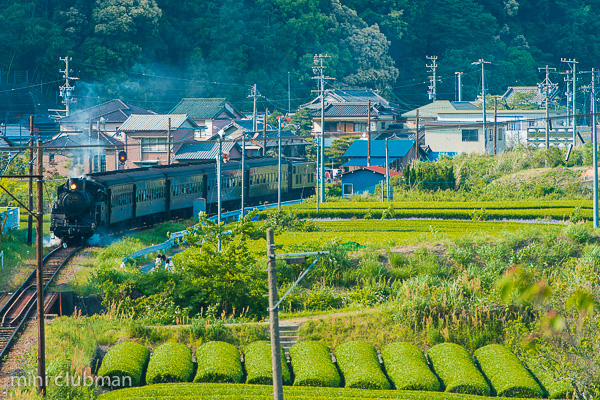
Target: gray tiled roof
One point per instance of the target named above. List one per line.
(202, 150)
(112, 111)
(157, 122)
(204, 108)
(346, 110)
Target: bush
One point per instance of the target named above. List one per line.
(312, 365)
(127, 359)
(257, 360)
(407, 368)
(360, 366)
(561, 389)
(170, 362)
(457, 371)
(218, 362)
(505, 372)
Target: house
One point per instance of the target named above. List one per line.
(210, 114)
(96, 153)
(105, 117)
(197, 151)
(457, 127)
(146, 137)
(264, 139)
(538, 96)
(364, 180)
(400, 153)
(353, 112)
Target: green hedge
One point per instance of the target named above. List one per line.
(216, 391)
(407, 368)
(360, 367)
(312, 365)
(170, 362)
(456, 369)
(259, 369)
(561, 389)
(127, 359)
(218, 362)
(505, 372)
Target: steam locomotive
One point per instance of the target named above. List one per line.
(120, 200)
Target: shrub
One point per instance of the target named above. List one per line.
(555, 389)
(127, 359)
(218, 362)
(312, 365)
(407, 368)
(456, 369)
(360, 366)
(505, 372)
(170, 362)
(257, 360)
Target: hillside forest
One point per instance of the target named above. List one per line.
(154, 52)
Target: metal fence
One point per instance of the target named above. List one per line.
(10, 218)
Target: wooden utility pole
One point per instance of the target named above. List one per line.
(274, 318)
(30, 218)
(265, 132)
(495, 123)
(369, 133)
(169, 141)
(40, 273)
(90, 146)
(417, 137)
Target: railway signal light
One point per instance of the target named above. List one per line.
(122, 157)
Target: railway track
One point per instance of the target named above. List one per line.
(22, 302)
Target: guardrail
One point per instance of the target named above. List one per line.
(177, 237)
(9, 218)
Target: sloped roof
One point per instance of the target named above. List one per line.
(431, 110)
(113, 111)
(202, 150)
(5, 142)
(362, 161)
(373, 168)
(354, 96)
(346, 110)
(539, 96)
(396, 148)
(204, 108)
(156, 122)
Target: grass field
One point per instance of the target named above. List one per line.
(215, 391)
(405, 231)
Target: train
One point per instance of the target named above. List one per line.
(126, 199)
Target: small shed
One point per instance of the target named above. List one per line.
(363, 180)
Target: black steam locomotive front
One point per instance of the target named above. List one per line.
(73, 218)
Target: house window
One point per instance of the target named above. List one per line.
(500, 134)
(360, 127)
(154, 145)
(383, 125)
(470, 135)
(490, 135)
(347, 189)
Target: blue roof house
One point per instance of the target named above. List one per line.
(363, 180)
(400, 153)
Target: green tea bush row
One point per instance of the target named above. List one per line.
(170, 362)
(407, 367)
(259, 368)
(213, 391)
(505, 372)
(127, 359)
(360, 367)
(554, 389)
(454, 205)
(312, 365)
(457, 371)
(218, 362)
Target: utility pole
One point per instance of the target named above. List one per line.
(547, 84)
(595, 147)
(255, 95)
(169, 141)
(459, 86)
(432, 79)
(265, 133)
(495, 123)
(318, 70)
(243, 174)
(219, 157)
(279, 163)
(40, 271)
(89, 150)
(289, 95)
(369, 133)
(573, 64)
(30, 190)
(482, 62)
(66, 88)
(274, 318)
(417, 137)
(387, 171)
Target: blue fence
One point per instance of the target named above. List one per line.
(10, 218)
(177, 237)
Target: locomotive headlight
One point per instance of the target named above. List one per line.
(73, 186)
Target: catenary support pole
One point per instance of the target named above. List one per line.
(40, 273)
(274, 318)
(279, 163)
(243, 174)
(594, 146)
(30, 180)
(387, 170)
